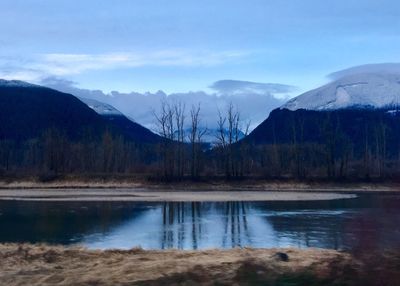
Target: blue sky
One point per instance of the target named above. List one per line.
(187, 45)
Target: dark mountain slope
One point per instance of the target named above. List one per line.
(26, 111)
(132, 130)
(125, 125)
(355, 128)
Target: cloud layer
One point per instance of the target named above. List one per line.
(247, 87)
(41, 66)
(385, 68)
(253, 106)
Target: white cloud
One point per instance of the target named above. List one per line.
(238, 87)
(61, 64)
(253, 106)
(385, 68)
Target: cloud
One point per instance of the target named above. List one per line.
(391, 68)
(245, 87)
(253, 106)
(42, 66)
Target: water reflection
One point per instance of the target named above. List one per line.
(175, 231)
(184, 225)
(189, 225)
(358, 224)
(236, 230)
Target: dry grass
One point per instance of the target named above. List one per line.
(24, 264)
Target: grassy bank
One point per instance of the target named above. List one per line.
(24, 264)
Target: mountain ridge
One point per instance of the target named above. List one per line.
(28, 110)
(363, 90)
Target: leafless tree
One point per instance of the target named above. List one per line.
(166, 128)
(228, 132)
(195, 139)
(179, 112)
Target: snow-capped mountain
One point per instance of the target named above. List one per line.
(100, 107)
(357, 103)
(362, 90)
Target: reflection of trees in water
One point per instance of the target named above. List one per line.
(177, 218)
(369, 223)
(182, 223)
(236, 230)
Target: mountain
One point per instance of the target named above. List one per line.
(27, 111)
(354, 111)
(127, 126)
(373, 90)
(284, 126)
(100, 107)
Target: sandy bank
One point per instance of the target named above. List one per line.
(73, 183)
(165, 195)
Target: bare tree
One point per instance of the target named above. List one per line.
(166, 129)
(195, 139)
(179, 112)
(228, 133)
(171, 125)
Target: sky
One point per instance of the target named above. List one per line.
(280, 48)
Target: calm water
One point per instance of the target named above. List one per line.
(369, 221)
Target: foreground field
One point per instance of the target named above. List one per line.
(55, 265)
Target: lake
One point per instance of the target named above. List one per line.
(370, 221)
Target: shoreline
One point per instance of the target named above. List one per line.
(144, 195)
(246, 185)
(77, 190)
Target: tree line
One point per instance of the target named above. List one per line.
(182, 153)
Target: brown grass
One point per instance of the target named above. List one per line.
(25, 264)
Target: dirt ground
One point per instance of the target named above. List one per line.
(25, 264)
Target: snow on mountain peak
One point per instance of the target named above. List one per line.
(376, 90)
(100, 107)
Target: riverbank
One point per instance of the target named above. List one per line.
(135, 190)
(220, 185)
(26, 264)
(150, 195)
